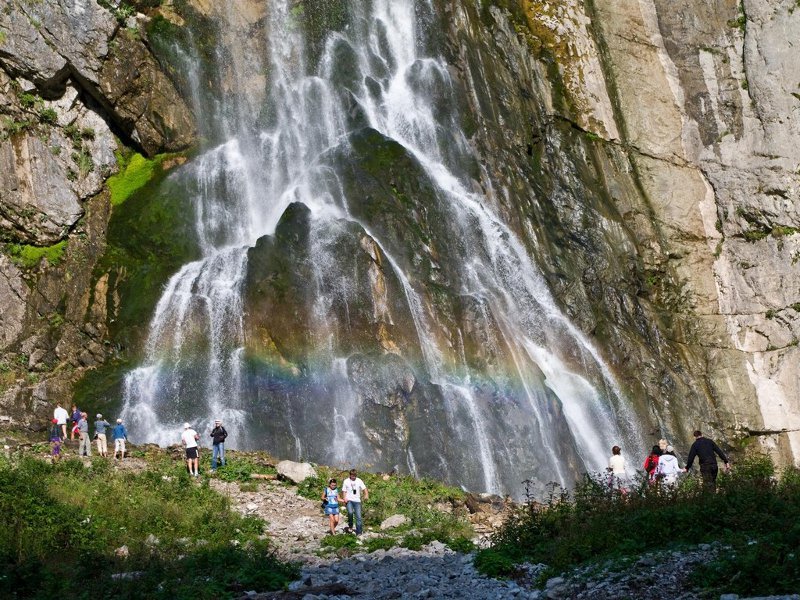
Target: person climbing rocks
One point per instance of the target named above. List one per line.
(352, 488)
(667, 468)
(120, 435)
(61, 415)
(85, 444)
(705, 450)
(189, 439)
(100, 426)
(218, 436)
(616, 470)
(332, 498)
(651, 463)
(55, 440)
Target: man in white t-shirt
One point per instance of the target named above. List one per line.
(352, 488)
(61, 415)
(189, 439)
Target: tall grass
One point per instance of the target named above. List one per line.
(753, 512)
(63, 522)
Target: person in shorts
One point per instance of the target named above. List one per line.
(189, 439)
(331, 499)
(120, 435)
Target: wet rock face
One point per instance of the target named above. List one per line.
(649, 163)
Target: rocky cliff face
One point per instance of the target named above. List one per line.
(659, 139)
(77, 85)
(646, 154)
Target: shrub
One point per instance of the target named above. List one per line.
(752, 511)
(63, 522)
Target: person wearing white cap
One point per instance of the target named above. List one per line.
(189, 439)
(218, 435)
(120, 435)
(667, 468)
(100, 426)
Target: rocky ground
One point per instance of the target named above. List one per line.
(297, 528)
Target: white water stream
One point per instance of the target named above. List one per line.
(246, 184)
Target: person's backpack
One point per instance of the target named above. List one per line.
(650, 464)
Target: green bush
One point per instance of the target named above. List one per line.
(63, 522)
(27, 257)
(752, 511)
(381, 543)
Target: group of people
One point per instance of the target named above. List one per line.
(350, 496)
(661, 465)
(79, 426)
(190, 441)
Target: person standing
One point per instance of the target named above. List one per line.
(85, 444)
(55, 441)
(61, 415)
(616, 468)
(100, 426)
(705, 450)
(75, 417)
(651, 463)
(120, 435)
(189, 439)
(352, 488)
(331, 499)
(218, 435)
(667, 468)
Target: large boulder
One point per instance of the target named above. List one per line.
(294, 471)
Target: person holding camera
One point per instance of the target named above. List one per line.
(218, 435)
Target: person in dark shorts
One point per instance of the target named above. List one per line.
(189, 439)
(706, 452)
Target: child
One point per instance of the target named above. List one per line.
(332, 498)
(55, 441)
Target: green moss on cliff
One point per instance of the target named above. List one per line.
(134, 173)
(27, 257)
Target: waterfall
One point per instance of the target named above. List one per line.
(556, 408)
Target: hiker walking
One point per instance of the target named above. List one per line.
(55, 440)
(120, 435)
(218, 435)
(331, 499)
(667, 468)
(189, 439)
(61, 415)
(651, 463)
(705, 450)
(352, 488)
(85, 444)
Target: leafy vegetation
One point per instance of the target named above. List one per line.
(414, 498)
(753, 512)
(27, 257)
(134, 173)
(63, 522)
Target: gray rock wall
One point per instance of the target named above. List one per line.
(686, 176)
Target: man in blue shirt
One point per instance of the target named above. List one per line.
(120, 435)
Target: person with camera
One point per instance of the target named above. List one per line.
(352, 488)
(218, 435)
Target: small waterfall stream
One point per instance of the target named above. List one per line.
(376, 67)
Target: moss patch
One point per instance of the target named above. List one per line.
(135, 171)
(27, 257)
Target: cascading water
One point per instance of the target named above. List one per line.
(549, 407)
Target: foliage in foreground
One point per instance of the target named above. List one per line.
(63, 522)
(755, 514)
(402, 494)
